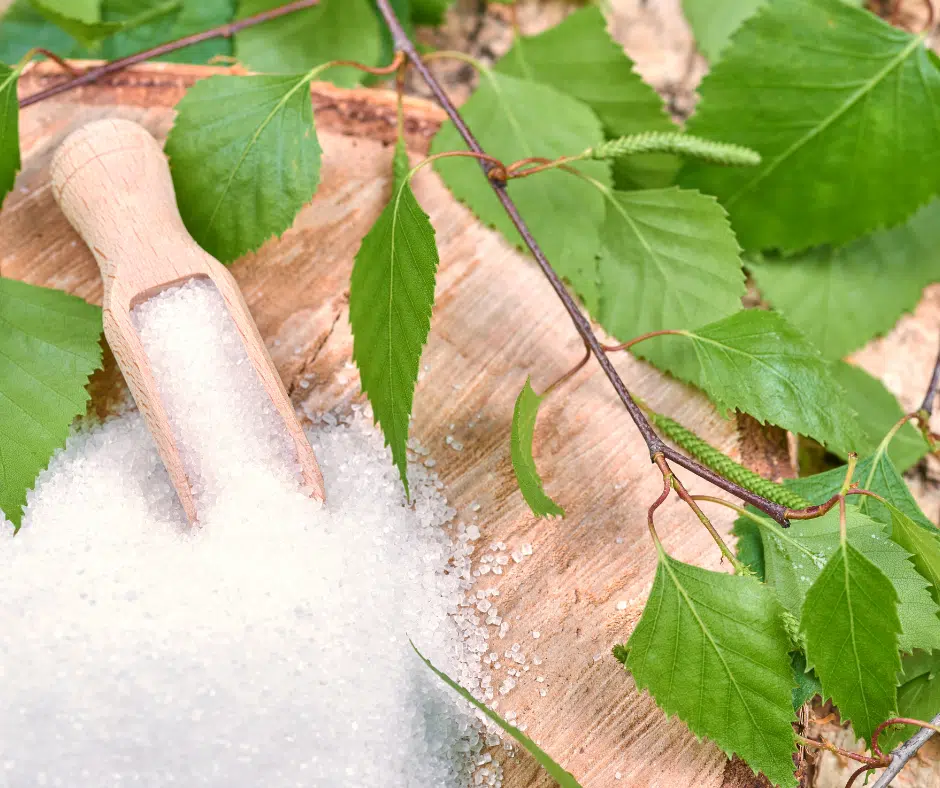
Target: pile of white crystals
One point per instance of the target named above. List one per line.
(267, 647)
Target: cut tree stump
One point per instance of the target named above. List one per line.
(495, 321)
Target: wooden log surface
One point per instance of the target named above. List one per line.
(495, 322)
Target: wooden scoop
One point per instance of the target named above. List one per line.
(112, 181)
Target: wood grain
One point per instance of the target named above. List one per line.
(495, 322)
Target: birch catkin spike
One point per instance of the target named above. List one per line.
(113, 184)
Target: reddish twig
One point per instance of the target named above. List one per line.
(562, 378)
(811, 512)
(667, 486)
(641, 338)
(690, 500)
(379, 71)
(222, 31)
(63, 64)
(496, 171)
(822, 744)
(516, 168)
(857, 773)
(654, 443)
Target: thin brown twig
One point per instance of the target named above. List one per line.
(379, 71)
(61, 63)
(654, 443)
(667, 486)
(496, 172)
(516, 171)
(856, 774)
(227, 30)
(690, 501)
(812, 512)
(574, 370)
(629, 344)
(926, 407)
(830, 747)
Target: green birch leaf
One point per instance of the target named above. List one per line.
(807, 682)
(878, 411)
(750, 547)
(242, 174)
(391, 295)
(713, 22)
(850, 622)
(846, 141)
(331, 30)
(81, 19)
(918, 699)
(924, 546)
(711, 648)
(429, 12)
(755, 362)
(578, 57)
(795, 557)
(523, 463)
(827, 293)
(143, 24)
(918, 664)
(879, 475)
(514, 119)
(9, 130)
(563, 778)
(668, 259)
(48, 348)
(876, 473)
(22, 27)
(151, 22)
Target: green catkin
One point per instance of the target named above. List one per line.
(708, 455)
(674, 142)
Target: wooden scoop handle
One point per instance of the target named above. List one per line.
(112, 181)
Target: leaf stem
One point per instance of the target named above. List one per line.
(46, 53)
(654, 443)
(933, 726)
(515, 169)
(677, 485)
(496, 166)
(857, 773)
(903, 753)
(829, 747)
(454, 54)
(227, 30)
(849, 472)
(629, 344)
(561, 379)
(733, 506)
(812, 512)
(667, 486)
(379, 71)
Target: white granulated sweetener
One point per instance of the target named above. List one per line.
(267, 647)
